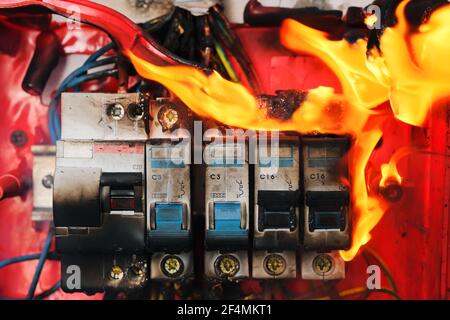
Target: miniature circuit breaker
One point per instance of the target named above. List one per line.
(169, 192)
(326, 221)
(276, 223)
(227, 210)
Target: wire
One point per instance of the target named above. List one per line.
(49, 292)
(100, 52)
(83, 69)
(25, 258)
(11, 261)
(352, 292)
(355, 291)
(76, 78)
(43, 295)
(225, 62)
(40, 266)
(156, 24)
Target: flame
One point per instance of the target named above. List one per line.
(389, 171)
(370, 20)
(411, 72)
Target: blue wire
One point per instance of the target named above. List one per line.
(83, 69)
(54, 125)
(100, 52)
(40, 296)
(40, 266)
(14, 260)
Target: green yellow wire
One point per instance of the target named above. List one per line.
(226, 63)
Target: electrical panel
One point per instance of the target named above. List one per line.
(123, 198)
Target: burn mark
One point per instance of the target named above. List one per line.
(282, 105)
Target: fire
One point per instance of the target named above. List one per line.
(370, 20)
(411, 72)
(389, 171)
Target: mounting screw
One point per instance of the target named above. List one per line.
(47, 181)
(19, 138)
(392, 192)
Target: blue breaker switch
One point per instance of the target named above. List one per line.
(169, 227)
(227, 216)
(226, 230)
(169, 217)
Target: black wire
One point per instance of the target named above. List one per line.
(156, 24)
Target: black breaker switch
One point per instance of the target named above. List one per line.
(327, 209)
(277, 209)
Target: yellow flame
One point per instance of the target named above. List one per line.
(411, 73)
(370, 20)
(389, 171)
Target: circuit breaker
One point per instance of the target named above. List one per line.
(326, 221)
(227, 210)
(98, 204)
(276, 223)
(169, 192)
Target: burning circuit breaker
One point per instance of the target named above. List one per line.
(227, 209)
(99, 192)
(122, 198)
(276, 231)
(326, 224)
(169, 192)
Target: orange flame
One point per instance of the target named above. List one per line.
(411, 73)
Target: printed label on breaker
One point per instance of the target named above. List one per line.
(168, 175)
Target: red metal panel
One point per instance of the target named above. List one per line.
(21, 111)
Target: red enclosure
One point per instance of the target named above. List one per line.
(412, 238)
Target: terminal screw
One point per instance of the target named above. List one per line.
(168, 117)
(135, 111)
(322, 264)
(116, 273)
(137, 271)
(226, 266)
(116, 111)
(274, 264)
(172, 266)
